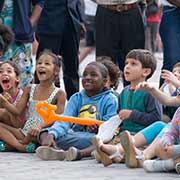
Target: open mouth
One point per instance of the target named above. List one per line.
(42, 72)
(6, 83)
(126, 73)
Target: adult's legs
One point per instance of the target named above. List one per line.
(70, 49)
(170, 36)
(123, 31)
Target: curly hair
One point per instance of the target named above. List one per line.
(114, 72)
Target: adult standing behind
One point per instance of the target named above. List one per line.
(18, 16)
(170, 33)
(119, 29)
(59, 30)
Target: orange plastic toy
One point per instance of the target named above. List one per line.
(47, 111)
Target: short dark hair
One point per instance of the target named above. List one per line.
(102, 68)
(145, 57)
(114, 72)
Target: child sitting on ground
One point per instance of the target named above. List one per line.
(138, 108)
(9, 80)
(112, 83)
(95, 101)
(163, 146)
(169, 87)
(47, 68)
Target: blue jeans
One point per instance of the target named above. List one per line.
(80, 140)
(170, 36)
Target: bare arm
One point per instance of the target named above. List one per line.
(170, 78)
(20, 106)
(170, 101)
(60, 101)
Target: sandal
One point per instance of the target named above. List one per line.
(104, 157)
(31, 147)
(50, 153)
(73, 154)
(129, 149)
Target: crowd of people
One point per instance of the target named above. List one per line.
(120, 32)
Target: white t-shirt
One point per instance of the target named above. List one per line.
(90, 7)
(166, 3)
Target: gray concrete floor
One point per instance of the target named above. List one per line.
(21, 166)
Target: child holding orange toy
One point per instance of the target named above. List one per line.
(95, 101)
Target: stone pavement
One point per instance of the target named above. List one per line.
(22, 166)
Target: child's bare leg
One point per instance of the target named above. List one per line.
(9, 119)
(139, 140)
(4, 117)
(151, 150)
(27, 139)
(12, 136)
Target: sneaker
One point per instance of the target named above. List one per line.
(149, 165)
(158, 165)
(72, 154)
(177, 167)
(49, 153)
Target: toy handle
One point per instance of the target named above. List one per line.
(47, 112)
(49, 115)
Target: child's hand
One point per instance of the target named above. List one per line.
(169, 77)
(2, 100)
(169, 149)
(35, 130)
(124, 114)
(8, 97)
(93, 129)
(144, 85)
(165, 143)
(47, 140)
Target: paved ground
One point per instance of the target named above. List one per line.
(18, 166)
